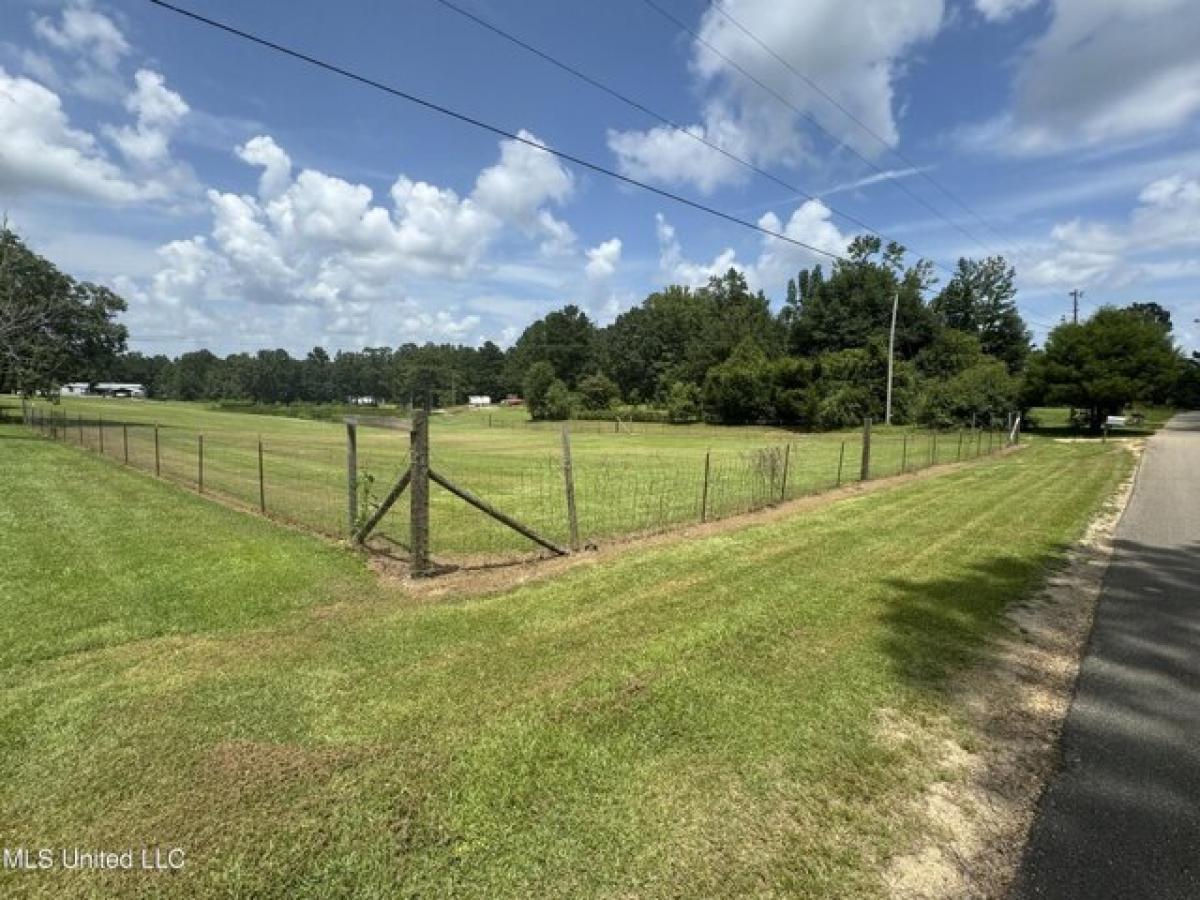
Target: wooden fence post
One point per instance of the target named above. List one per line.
(569, 484)
(704, 491)
(81, 429)
(960, 443)
(351, 474)
(100, 427)
(262, 491)
(865, 472)
(200, 463)
(787, 458)
(904, 453)
(419, 493)
(841, 459)
(157, 465)
(932, 447)
(125, 441)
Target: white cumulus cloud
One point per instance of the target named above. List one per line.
(1104, 71)
(777, 259)
(93, 44)
(343, 261)
(855, 58)
(1155, 242)
(158, 111)
(276, 164)
(41, 152)
(1002, 10)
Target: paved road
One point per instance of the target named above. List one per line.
(1122, 817)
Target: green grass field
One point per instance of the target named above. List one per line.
(625, 483)
(746, 713)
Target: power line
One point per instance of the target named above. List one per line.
(683, 26)
(719, 7)
(659, 117)
(485, 126)
(479, 123)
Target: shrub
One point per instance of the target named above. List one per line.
(985, 393)
(683, 402)
(739, 389)
(598, 392)
(538, 380)
(557, 403)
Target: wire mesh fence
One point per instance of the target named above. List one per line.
(621, 486)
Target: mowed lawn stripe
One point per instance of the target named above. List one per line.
(746, 712)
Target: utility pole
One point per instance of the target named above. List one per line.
(1075, 295)
(887, 416)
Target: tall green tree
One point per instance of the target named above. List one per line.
(53, 329)
(1153, 311)
(316, 379)
(1103, 364)
(853, 304)
(649, 347)
(980, 299)
(564, 338)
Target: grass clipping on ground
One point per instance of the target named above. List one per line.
(701, 717)
(1016, 698)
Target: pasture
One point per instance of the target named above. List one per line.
(654, 478)
(748, 712)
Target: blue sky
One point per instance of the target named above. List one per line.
(240, 199)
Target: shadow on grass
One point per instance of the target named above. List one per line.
(937, 626)
(1068, 431)
(1128, 782)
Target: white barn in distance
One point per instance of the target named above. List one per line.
(477, 401)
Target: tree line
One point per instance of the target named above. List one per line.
(716, 353)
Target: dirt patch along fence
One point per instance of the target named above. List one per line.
(488, 503)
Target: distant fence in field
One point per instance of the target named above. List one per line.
(564, 503)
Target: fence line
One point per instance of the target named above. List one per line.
(567, 498)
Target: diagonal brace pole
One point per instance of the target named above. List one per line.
(388, 501)
(485, 507)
